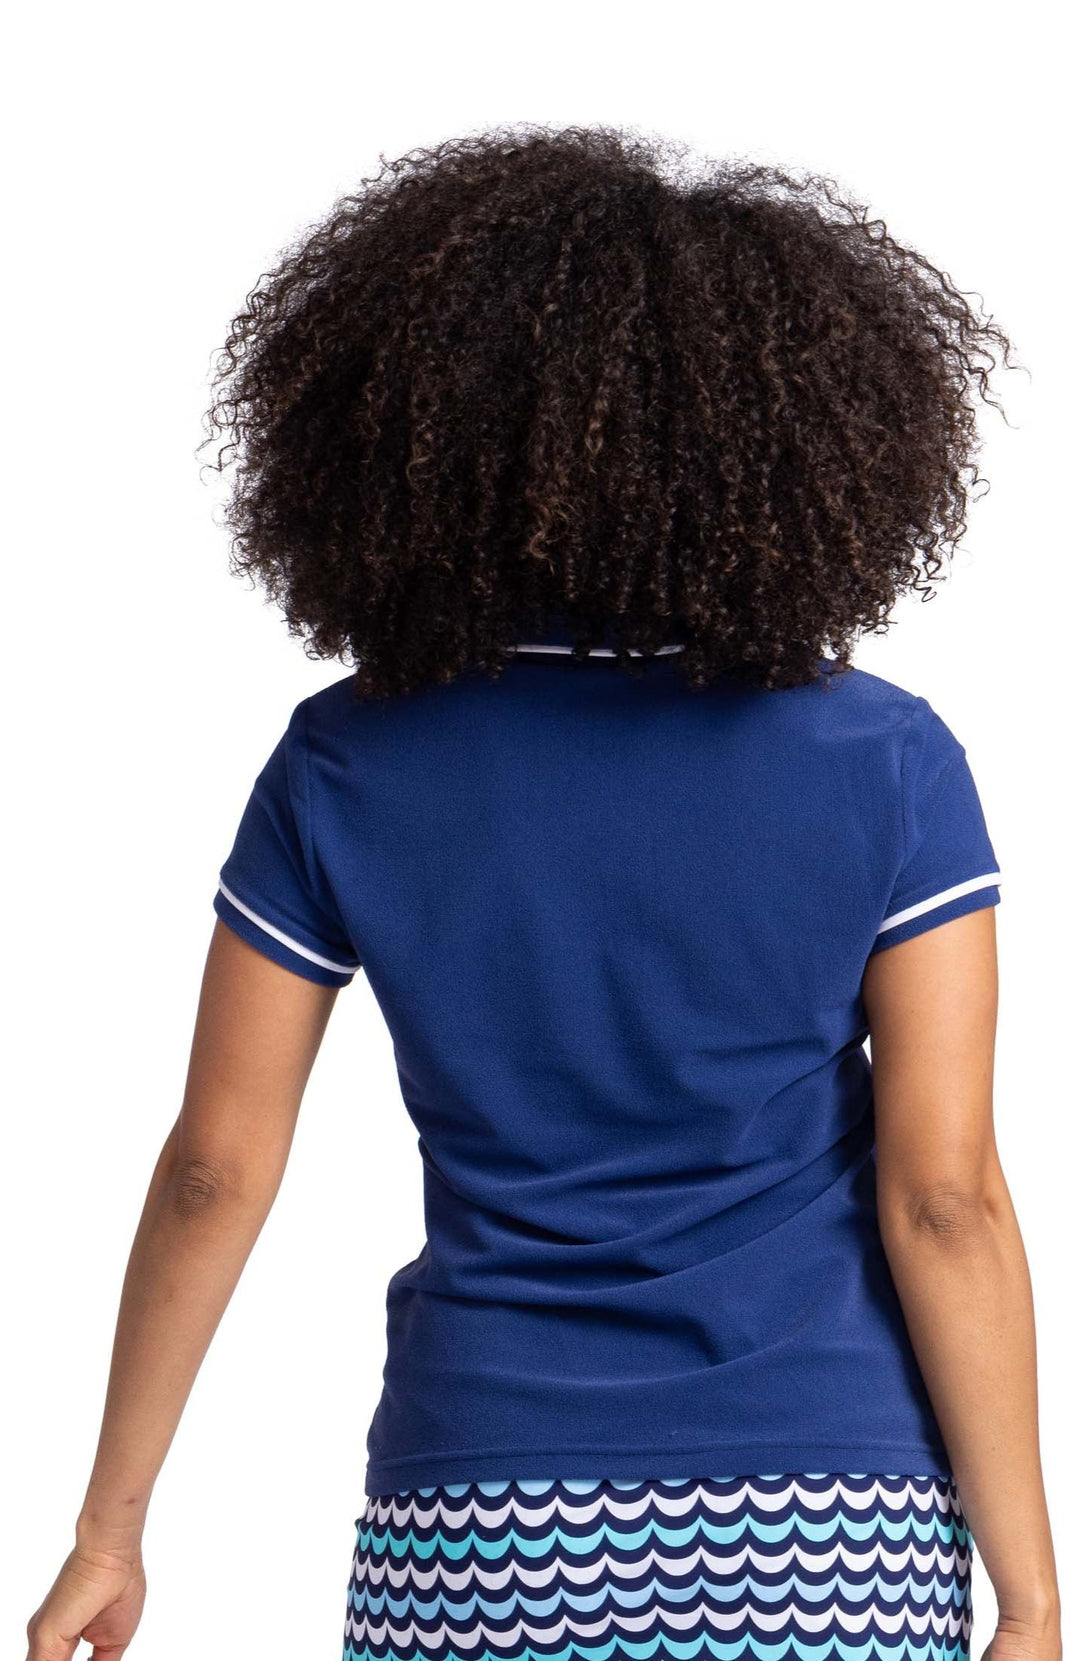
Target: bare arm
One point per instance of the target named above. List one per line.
(956, 1255)
(257, 1031)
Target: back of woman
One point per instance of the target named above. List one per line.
(594, 468)
(618, 931)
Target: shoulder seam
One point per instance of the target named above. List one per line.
(940, 776)
(304, 780)
(317, 874)
(930, 791)
(905, 813)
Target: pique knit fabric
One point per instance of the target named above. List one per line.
(617, 927)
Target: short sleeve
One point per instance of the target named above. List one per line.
(271, 889)
(949, 864)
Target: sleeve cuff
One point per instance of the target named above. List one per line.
(957, 901)
(278, 945)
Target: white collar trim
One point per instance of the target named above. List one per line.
(595, 651)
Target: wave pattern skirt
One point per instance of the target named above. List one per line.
(853, 1566)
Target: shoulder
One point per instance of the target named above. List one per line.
(333, 712)
(856, 728)
(330, 701)
(902, 727)
(851, 703)
(863, 690)
(334, 730)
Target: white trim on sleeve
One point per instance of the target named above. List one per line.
(286, 940)
(989, 880)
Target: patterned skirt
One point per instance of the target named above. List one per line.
(763, 1567)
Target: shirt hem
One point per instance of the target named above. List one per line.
(707, 1459)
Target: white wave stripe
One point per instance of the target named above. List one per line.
(577, 1593)
(424, 1514)
(933, 1583)
(941, 1559)
(763, 1615)
(775, 1620)
(765, 1621)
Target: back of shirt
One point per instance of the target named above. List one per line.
(617, 927)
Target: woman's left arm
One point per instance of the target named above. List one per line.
(257, 1032)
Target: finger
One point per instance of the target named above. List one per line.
(49, 1645)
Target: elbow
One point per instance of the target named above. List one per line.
(196, 1186)
(953, 1216)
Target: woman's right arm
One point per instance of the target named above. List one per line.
(956, 1255)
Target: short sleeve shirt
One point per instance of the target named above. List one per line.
(617, 927)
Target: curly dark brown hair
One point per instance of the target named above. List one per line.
(533, 374)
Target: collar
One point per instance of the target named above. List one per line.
(557, 649)
(556, 637)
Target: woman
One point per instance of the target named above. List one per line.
(594, 469)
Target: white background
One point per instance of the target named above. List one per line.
(157, 162)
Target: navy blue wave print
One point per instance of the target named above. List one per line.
(806, 1566)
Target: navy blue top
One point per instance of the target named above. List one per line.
(617, 928)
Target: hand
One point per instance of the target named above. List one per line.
(98, 1596)
(1025, 1640)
